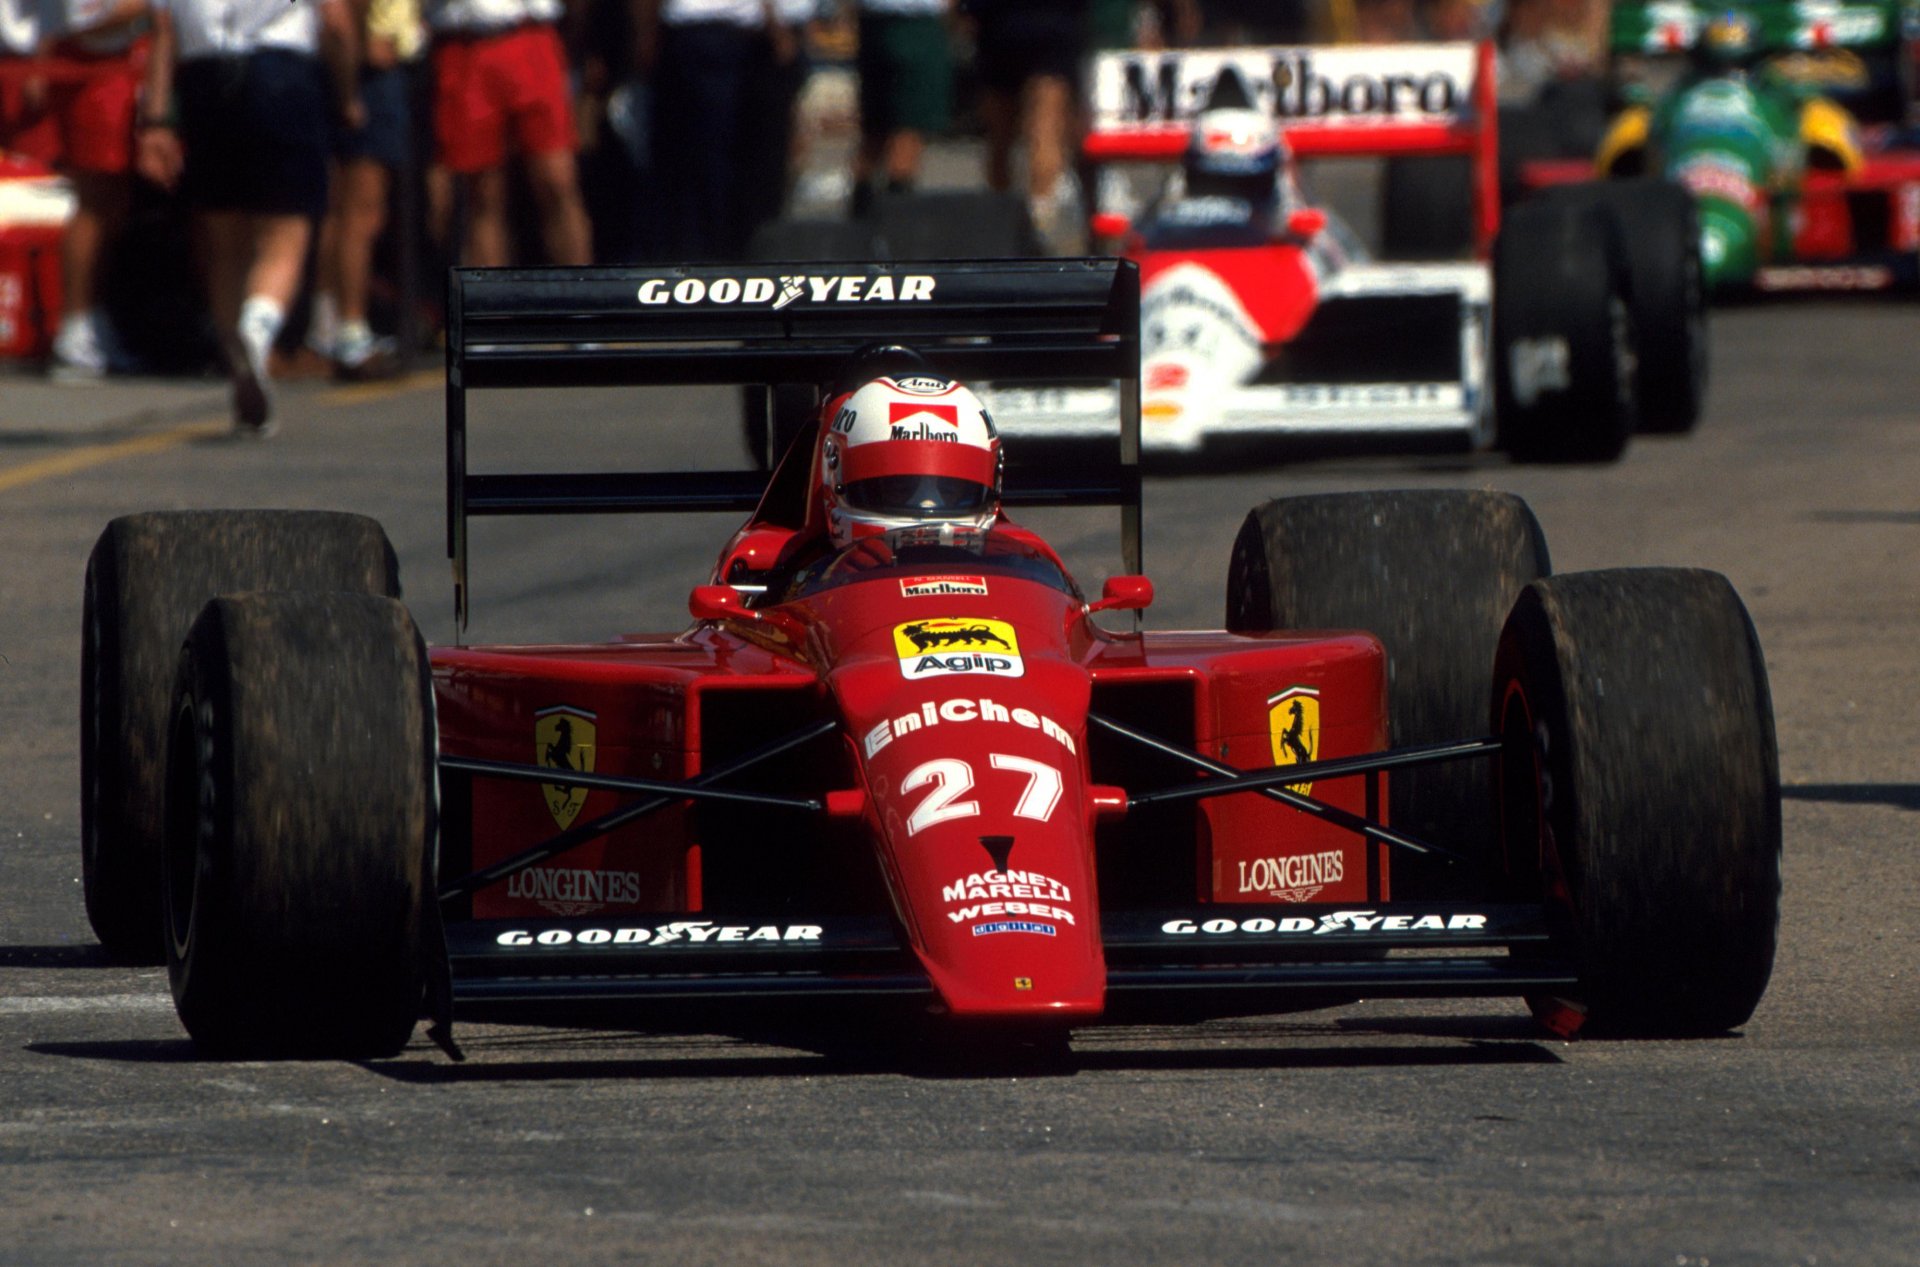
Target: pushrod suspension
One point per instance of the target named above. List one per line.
(579, 835)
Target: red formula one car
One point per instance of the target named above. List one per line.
(913, 769)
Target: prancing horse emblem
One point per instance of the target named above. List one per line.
(563, 739)
(1294, 718)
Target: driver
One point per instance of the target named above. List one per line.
(903, 452)
(1238, 153)
(907, 450)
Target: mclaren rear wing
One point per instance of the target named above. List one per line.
(1006, 320)
(1359, 100)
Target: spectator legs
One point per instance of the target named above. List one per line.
(1049, 116)
(487, 238)
(252, 263)
(554, 180)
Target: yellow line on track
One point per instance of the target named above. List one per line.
(92, 455)
(359, 393)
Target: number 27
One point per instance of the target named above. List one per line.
(952, 779)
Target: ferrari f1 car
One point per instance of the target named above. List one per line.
(1792, 125)
(1572, 325)
(937, 782)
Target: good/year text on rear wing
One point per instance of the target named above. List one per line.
(1008, 320)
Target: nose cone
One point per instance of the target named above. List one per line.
(1729, 253)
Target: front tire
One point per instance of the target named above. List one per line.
(146, 580)
(1640, 795)
(301, 826)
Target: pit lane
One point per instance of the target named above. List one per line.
(1387, 1132)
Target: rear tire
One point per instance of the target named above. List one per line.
(1432, 575)
(1659, 225)
(952, 225)
(147, 579)
(301, 824)
(1640, 795)
(1562, 333)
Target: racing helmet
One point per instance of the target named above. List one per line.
(1235, 153)
(1726, 41)
(906, 450)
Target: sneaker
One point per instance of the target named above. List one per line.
(79, 353)
(1059, 218)
(252, 391)
(359, 357)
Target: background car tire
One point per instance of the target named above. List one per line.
(1562, 333)
(147, 578)
(1639, 790)
(1659, 226)
(1432, 574)
(301, 822)
(953, 225)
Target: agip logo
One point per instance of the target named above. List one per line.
(929, 648)
(563, 740)
(1294, 718)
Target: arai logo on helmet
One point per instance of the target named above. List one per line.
(847, 288)
(924, 385)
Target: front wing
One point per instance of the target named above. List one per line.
(1189, 963)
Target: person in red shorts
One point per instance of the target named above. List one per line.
(500, 87)
(79, 118)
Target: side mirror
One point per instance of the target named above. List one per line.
(1124, 594)
(1306, 222)
(723, 602)
(717, 602)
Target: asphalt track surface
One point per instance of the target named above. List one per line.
(1389, 1132)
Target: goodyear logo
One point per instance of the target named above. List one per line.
(1294, 718)
(960, 644)
(563, 740)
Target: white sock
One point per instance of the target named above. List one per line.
(260, 321)
(324, 327)
(76, 321)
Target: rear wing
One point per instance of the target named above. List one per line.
(1006, 320)
(1665, 27)
(1864, 54)
(1357, 100)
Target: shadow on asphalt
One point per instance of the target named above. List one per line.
(702, 1061)
(74, 956)
(1898, 795)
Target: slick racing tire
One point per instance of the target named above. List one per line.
(147, 578)
(300, 827)
(952, 225)
(1562, 333)
(1639, 792)
(1668, 299)
(1432, 575)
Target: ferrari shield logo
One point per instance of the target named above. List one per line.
(563, 740)
(1294, 718)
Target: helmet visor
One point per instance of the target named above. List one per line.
(918, 496)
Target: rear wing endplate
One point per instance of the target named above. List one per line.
(1005, 320)
(1360, 100)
